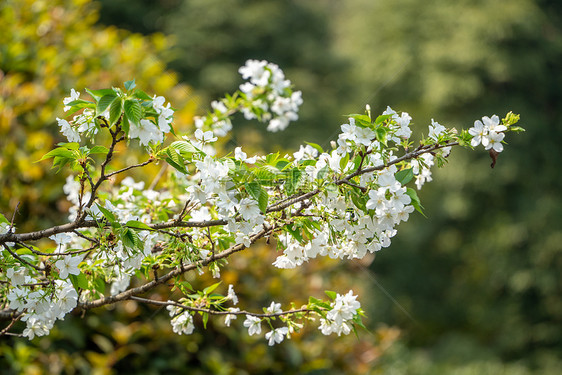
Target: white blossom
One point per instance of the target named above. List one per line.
(435, 130)
(231, 295)
(277, 335)
(253, 324)
(230, 317)
(74, 95)
(147, 132)
(68, 265)
(274, 308)
(242, 156)
(68, 131)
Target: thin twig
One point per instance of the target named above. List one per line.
(15, 255)
(7, 328)
(130, 167)
(216, 312)
(13, 218)
(37, 252)
(158, 177)
(173, 273)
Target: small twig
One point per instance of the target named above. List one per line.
(7, 328)
(211, 242)
(37, 252)
(86, 237)
(130, 167)
(28, 284)
(15, 255)
(13, 218)
(184, 211)
(216, 312)
(158, 177)
(85, 168)
(363, 189)
(170, 275)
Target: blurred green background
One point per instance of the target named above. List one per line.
(476, 288)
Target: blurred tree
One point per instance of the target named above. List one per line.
(485, 268)
(139, 16)
(215, 37)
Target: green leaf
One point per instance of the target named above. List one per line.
(107, 214)
(266, 175)
(129, 85)
(382, 118)
(125, 125)
(362, 120)
(61, 152)
(404, 176)
(141, 95)
(60, 162)
(97, 94)
(282, 164)
(344, 161)
(184, 148)
(99, 150)
(263, 200)
(205, 320)
(130, 238)
(253, 188)
(175, 160)
(359, 199)
(79, 281)
(69, 145)
(184, 286)
(293, 179)
(510, 119)
(295, 232)
(258, 192)
(115, 111)
(415, 200)
(99, 285)
(331, 294)
(137, 225)
(323, 172)
(133, 111)
(104, 102)
(80, 103)
(271, 158)
(380, 133)
(208, 290)
(313, 301)
(516, 129)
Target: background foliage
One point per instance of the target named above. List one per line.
(474, 289)
(47, 48)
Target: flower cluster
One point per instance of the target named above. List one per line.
(343, 203)
(182, 320)
(147, 131)
(488, 132)
(339, 318)
(276, 335)
(43, 306)
(270, 93)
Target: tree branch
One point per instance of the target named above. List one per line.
(216, 312)
(175, 272)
